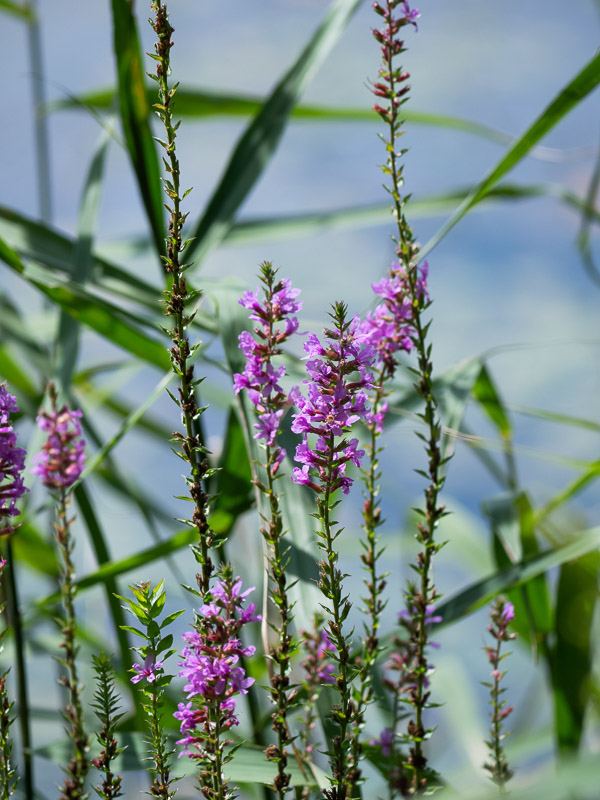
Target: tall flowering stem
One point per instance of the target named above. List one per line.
(502, 614)
(12, 488)
(178, 297)
(8, 773)
(338, 376)
(215, 677)
(392, 88)
(60, 465)
(318, 672)
(260, 379)
(147, 606)
(389, 330)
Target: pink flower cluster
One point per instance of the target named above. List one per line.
(338, 376)
(12, 461)
(211, 663)
(260, 379)
(62, 459)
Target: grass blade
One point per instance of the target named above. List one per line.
(135, 112)
(260, 140)
(481, 592)
(583, 83)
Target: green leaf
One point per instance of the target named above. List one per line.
(101, 316)
(135, 111)
(131, 420)
(67, 344)
(571, 656)
(488, 397)
(481, 592)
(583, 83)
(46, 246)
(21, 10)
(269, 229)
(505, 521)
(258, 143)
(573, 489)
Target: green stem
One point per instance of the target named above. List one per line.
(78, 767)
(21, 670)
(40, 119)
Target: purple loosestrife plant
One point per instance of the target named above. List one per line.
(260, 380)
(389, 331)
(178, 298)
(502, 614)
(339, 375)
(152, 681)
(12, 463)
(392, 89)
(60, 465)
(211, 666)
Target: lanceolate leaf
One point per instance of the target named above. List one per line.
(481, 592)
(248, 231)
(260, 140)
(135, 111)
(571, 656)
(67, 343)
(583, 83)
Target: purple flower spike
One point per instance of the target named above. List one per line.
(260, 379)
(338, 373)
(62, 459)
(211, 662)
(12, 462)
(148, 670)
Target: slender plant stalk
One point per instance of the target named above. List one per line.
(74, 785)
(177, 297)
(422, 596)
(24, 715)
(374, 583)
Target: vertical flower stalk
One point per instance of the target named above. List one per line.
(146, 607)
(392, 88)
(8, 773)
(215, 678)
(12, 488)
(502, 614)
(338, 376)
(260, 380)
(318, 672)
(106, 707)
(60, 465)
(178, 297)
(388, 329)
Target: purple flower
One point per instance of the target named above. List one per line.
(148, 670)
(385, 741)
(211, 661)
(12, 462)
(508, 612)
(318, 666)
(410, 15)
(260, 379)
(62, 459)
(335, 399)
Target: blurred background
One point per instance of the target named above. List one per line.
(508, 283)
